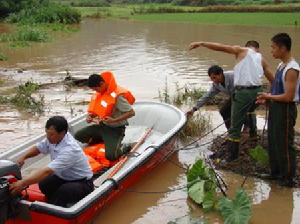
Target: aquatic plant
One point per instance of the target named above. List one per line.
(23, 98)
(202, 189)
(184, 96)
(236, 210)
(260, 155)
(195, 126)
(3, 57)
(202, 185)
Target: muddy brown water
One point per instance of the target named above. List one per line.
(143, 56)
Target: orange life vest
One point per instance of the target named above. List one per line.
(102, 104)
(96, 157)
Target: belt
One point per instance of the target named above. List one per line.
(246, 87)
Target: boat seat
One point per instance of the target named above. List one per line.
(33, 193)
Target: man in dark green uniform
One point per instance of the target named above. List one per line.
(283, 111)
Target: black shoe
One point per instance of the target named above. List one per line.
(126, 148)
(233, 148)
(217, 155)
(286, 183)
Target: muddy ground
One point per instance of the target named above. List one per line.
(245, 165)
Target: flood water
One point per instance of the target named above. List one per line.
(142, 56)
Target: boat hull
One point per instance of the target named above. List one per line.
(162, 153)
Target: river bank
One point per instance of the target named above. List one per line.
(224, 15)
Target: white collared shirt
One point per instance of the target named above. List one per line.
(67, 158)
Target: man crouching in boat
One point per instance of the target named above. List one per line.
(109, 110)
(67, 178)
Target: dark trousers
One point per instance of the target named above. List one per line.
(250, 121)
(110, 136)
(243, 104)
(63, 193)
(282, 153)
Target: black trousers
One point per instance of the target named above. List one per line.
(65, 193)
(281, 133)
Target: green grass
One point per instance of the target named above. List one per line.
(3, 57)
(256, 19)
(229, 18)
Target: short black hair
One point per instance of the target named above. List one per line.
(59, 123)
(215, 69)
(95, 80)
(282, 40)
(252, 43)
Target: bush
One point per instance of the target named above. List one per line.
(3, 58)
(51, 13)
(26, 33)
(90, 3)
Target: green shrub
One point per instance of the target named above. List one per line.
(26, 33)
(52, 13)
(3, 58)
(90, 3)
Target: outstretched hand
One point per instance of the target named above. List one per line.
(194, 45)
(189, 113)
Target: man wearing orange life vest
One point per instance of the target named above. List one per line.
(108, 110)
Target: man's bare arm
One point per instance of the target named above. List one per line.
(235, 50)
(32, 152)
(36, 177)
(267, 71)
(290, 88)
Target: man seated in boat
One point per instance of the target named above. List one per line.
(68, 177)
(108, 112)
(223, 82)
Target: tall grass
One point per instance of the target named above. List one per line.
(24, 34)
(52, 13)
(3, 57)
(90, 3)
(186, 97)
(166, 8)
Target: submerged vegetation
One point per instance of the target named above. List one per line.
(185, 97)
(3, 57)
(23, 98)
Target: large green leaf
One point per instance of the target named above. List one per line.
(209, 201)
(199, 171)
(260, 155)
(196, 192)
(236, 211)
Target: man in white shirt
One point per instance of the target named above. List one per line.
(249, 68)
(68, 177)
